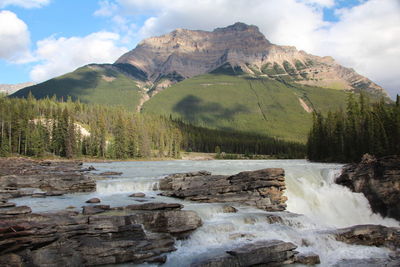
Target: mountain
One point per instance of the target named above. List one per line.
(12, 88)
(231, 78)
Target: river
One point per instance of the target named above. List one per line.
(319, 203)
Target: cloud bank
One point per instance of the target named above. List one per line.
(14, 38)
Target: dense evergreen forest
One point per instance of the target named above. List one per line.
(364, 127)
(44, 128)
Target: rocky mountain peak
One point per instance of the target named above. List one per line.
(186, 53)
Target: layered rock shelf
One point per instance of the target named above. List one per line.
(379, 180)
(262, 188)
(24, 177)
(117, 235)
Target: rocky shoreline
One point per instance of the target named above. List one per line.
(147, 232)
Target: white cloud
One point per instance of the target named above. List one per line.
(366, 38)
(14, 36)
(24, 3)
(61, 55)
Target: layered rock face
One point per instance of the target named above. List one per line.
(114, 236)
(18, 177)
(379, 180)
(185, 53)
(262, 189)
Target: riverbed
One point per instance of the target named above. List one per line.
(315, 206)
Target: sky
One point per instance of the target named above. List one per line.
(42, 39)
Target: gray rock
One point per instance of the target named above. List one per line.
(379, 180)
(370, 235)
(155, 206)
(88, 210)
(229, 209)
(264, 253)
(262, 189)
(16, 210)
(138, 195)
(72, 239)
(110, 173)
(309, 258)
(93, 200)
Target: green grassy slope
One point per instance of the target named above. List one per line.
(97, 84)
(246, 104)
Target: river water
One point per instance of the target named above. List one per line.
(319, 206)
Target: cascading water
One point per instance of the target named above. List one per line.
(315, 204)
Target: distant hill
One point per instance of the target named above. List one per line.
(12, 88)
(230, 78)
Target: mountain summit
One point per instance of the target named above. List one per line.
(183, 54)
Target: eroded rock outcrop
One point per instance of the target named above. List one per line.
(115, 235)
(370, 235)
(379, 180)
(262, 188)
(52, 177)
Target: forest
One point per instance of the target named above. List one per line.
(364, 127)
(71, 129)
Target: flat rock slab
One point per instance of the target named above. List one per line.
(370, 235)
(53, 177)
(264, 253)
(110, 237)
(262, 188)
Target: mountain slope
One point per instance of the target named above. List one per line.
(100, 84)
(240, 103)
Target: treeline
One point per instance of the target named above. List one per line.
(46, 127)
(220, 141)
(69, 129)
(365, 127)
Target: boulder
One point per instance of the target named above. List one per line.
(262, 189)
(138, 195)
(16, 210)
(308, 258)
(93, 200)
(155, 206)
(229, 209)
(379, 180)
(89, 210)
(263, 253)
(370, 235)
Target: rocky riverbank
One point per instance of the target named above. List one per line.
(26, 177)
(379, 180)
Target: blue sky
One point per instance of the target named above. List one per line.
(59, 34)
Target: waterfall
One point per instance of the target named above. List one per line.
(312, 192)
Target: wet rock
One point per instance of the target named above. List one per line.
(379, 180)
(5, 204)
(368, 262)
(138, 195)
(155, 206)
(16, 210)
(262, 189)
(273, 218)
(110, 173)
(93, 200)
(263, 253)
(71, 239)
(55, 193)
(309, 258)
(88, 210)
(370, 235)
(39, 195)
(229, 209)
(49, 176)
